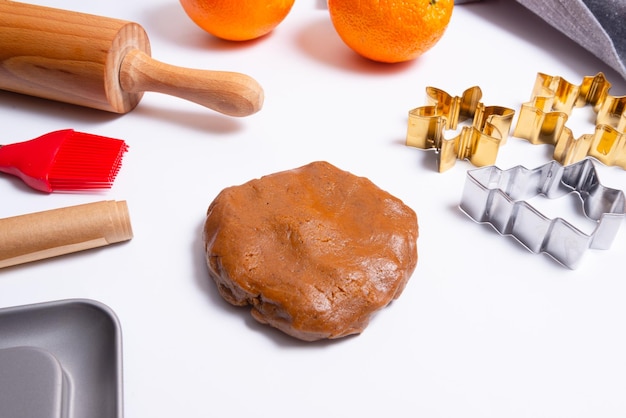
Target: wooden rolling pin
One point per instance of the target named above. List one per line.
(39, 235)
(104, 63)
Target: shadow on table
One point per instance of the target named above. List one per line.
(516, 19)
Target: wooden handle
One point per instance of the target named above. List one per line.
(230, 93)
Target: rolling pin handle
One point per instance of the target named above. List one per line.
(230, 93)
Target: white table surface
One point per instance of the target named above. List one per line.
(484, 328)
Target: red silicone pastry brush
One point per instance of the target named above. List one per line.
(64, 160)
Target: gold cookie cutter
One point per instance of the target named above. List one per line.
(543, 119)
(478, 143)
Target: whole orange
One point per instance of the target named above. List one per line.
(237, 20)
(388, 30)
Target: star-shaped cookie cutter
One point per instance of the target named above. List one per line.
(479, 143)
(543, 119)
(498, 197)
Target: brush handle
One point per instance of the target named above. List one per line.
(230, 93)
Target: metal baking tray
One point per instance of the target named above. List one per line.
(60, 359)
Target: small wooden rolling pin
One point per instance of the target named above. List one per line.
(104, 63)
(39, 235)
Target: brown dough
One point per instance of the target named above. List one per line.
(315, 251)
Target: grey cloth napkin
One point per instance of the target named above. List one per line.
(597, 25)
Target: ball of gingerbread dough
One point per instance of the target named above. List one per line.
(314, 251)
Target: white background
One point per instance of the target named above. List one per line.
(484, 328)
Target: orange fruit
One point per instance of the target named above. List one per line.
(390, 31)
(237, 20)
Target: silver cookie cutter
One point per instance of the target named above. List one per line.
(497, 197)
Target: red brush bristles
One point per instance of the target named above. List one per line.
(86, 162)
(65, 161)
